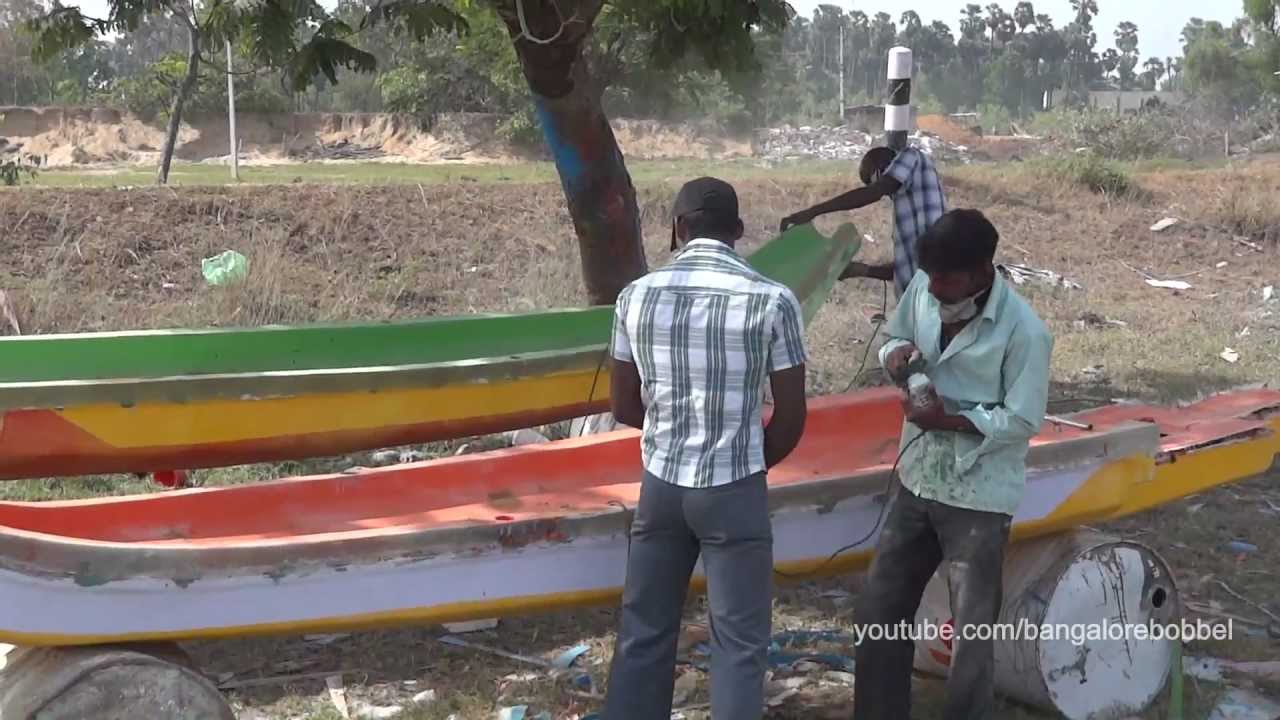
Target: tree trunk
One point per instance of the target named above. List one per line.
(597, 186)
(180, 98)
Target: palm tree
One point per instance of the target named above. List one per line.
(1024, 15)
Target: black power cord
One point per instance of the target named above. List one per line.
(888, 488)
(884, 309)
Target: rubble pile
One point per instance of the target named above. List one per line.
(843, 143)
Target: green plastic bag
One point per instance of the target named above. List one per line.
(224, 269)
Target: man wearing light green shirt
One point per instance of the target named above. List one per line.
(962, 466)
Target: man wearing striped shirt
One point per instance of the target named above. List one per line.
(694, 344)
(910, 180)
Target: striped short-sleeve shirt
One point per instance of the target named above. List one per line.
(916, 206)
(704, 333)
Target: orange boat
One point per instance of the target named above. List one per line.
(536, 528)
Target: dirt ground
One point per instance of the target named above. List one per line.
(115, 259)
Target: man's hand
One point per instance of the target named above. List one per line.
(896, 362)
(933, 418)
(930, 417)
(790, 221)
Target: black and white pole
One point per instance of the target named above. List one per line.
(897, 111)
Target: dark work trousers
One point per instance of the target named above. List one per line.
(918, 534)
(729, 525)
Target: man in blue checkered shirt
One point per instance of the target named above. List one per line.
(910, 180)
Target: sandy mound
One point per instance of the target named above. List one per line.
(80, 136)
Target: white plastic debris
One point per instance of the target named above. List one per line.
(424, 697)
(1239, 704)
(1164, 224)
(527, 437)
(1169, 284)
(1268, 292)
(1230, 356)
(338, 694)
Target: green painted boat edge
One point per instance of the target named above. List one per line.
(802, 258)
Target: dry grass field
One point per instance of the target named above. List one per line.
(108, 259)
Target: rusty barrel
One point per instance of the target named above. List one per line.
(1067, 639)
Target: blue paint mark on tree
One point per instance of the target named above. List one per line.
(567, 158)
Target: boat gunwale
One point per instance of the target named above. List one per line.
(41, 554)
(259, 385)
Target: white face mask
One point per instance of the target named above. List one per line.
(966, 309)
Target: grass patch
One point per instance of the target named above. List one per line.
(380, 173)
(1090, 171)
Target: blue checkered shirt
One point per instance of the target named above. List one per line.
(916, 205)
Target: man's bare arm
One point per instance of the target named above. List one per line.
(790, 409)
(624, 394)
(852, 200)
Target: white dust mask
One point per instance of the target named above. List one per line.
(966, 309)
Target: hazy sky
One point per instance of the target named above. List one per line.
(1159, 22)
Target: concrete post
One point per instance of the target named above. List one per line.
(897, 111)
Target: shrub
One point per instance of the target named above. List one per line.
(1089, 170)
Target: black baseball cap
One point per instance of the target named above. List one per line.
(705, 194)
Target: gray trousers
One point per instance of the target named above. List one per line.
(729, 526)
(918, 534)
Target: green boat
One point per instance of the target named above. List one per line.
(163, 400)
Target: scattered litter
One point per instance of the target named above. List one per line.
(1222, 264)
(424, 697)
(325, 639)
(337, 694)
(838, 676)
(1021, 274)
(1215, 610)
(1207, 669)
(1232, 357)
(461, 628)
(1169, 284)
(686, 685)
(519, 712)
(842, 143)
(567, 658)
(1239, 704)
(385, 457)
(1193, 509)
(168, 286)
(1268, 292)
(1164, 224)
(1245, 600)
(1094, 371)
(526, 436)
(692, 635)
(225, 268)
(376, 712)
(869, 238)
(412, 456)
(282, 679)
(1090, 319)
(1243, 333)
(1251, 245)
(1239, 546)
(578, 679)
(780, 698)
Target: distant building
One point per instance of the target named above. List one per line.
(1120, 101)
(870, 118)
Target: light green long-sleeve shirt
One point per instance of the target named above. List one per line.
(995, 372)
